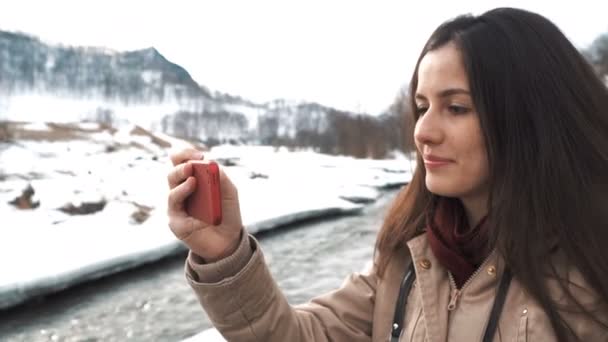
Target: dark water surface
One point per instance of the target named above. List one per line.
(154, 302)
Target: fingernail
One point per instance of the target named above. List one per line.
(199, 155)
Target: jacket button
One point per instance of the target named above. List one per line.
(492, 270)
(425, 263)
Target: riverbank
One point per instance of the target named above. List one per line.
(91, 203)
(155, 303)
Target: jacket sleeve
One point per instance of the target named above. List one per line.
(246, 304)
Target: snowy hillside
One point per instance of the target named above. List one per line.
(42, 82)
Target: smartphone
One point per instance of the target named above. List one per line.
(205, 203)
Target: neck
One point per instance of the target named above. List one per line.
(475, 208)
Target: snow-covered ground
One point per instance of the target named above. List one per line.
(112, 188)
(209, 335)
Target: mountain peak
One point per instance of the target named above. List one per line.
(134, 76)
(148, 55)
(151, 53)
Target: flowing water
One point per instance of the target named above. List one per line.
(154, 302)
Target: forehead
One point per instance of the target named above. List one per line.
(441, 69)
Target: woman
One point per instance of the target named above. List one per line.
(502, 234)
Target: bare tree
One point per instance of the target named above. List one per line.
(597, 53)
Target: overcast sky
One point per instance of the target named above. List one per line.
(352, 55)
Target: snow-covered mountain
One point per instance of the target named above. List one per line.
(40, 82)
(143, 76)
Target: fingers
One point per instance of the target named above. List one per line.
(183, 227)
(178, 195)
(184, 155)
(178, 174)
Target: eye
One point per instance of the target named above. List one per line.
(457, 109)
(420, 110)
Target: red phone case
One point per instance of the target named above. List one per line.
(205, 203)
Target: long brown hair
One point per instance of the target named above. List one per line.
(544, 116)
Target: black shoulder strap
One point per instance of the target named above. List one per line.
(499, 302)
(404, 290)
(406, 286)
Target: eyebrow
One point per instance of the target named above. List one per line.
(446, 93)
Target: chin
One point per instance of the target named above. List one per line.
(445, 189)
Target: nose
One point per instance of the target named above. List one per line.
(428, 129)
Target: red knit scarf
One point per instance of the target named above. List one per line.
(459, 249)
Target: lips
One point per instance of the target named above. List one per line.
(431, 161)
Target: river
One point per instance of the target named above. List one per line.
(154, 302)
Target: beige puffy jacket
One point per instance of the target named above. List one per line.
(245, 304)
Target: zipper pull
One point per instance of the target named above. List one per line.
(454, 299)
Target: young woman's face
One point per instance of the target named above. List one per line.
(447, 133)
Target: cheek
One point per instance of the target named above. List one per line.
(476, 160)
(415, 137)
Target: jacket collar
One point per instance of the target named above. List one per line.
(434, 281)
